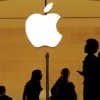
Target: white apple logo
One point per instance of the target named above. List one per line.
(41, 29)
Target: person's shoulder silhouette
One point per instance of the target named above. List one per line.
(71, 85)
(3, 95)
(63, 89)
(90, 62)
(33, 87)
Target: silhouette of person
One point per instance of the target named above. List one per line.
(33, 87)
(63, 89)
(3, 95)
(91, 71)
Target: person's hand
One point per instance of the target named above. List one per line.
(80, 72)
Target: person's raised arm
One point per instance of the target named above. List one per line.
(80, 72)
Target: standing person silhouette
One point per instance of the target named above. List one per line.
(90, 71)
(33, 87)
(63, 89)
(3, 95)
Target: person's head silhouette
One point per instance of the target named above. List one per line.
(65, 73)
(36, 75)
(2, 90)
(92, 46)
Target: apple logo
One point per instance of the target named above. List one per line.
(41, 29)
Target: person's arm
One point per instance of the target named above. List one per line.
(54, 88)
(80, 72)
(38, 88)
(74, 95)
(24, 94)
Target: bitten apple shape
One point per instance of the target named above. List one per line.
(41, 29)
